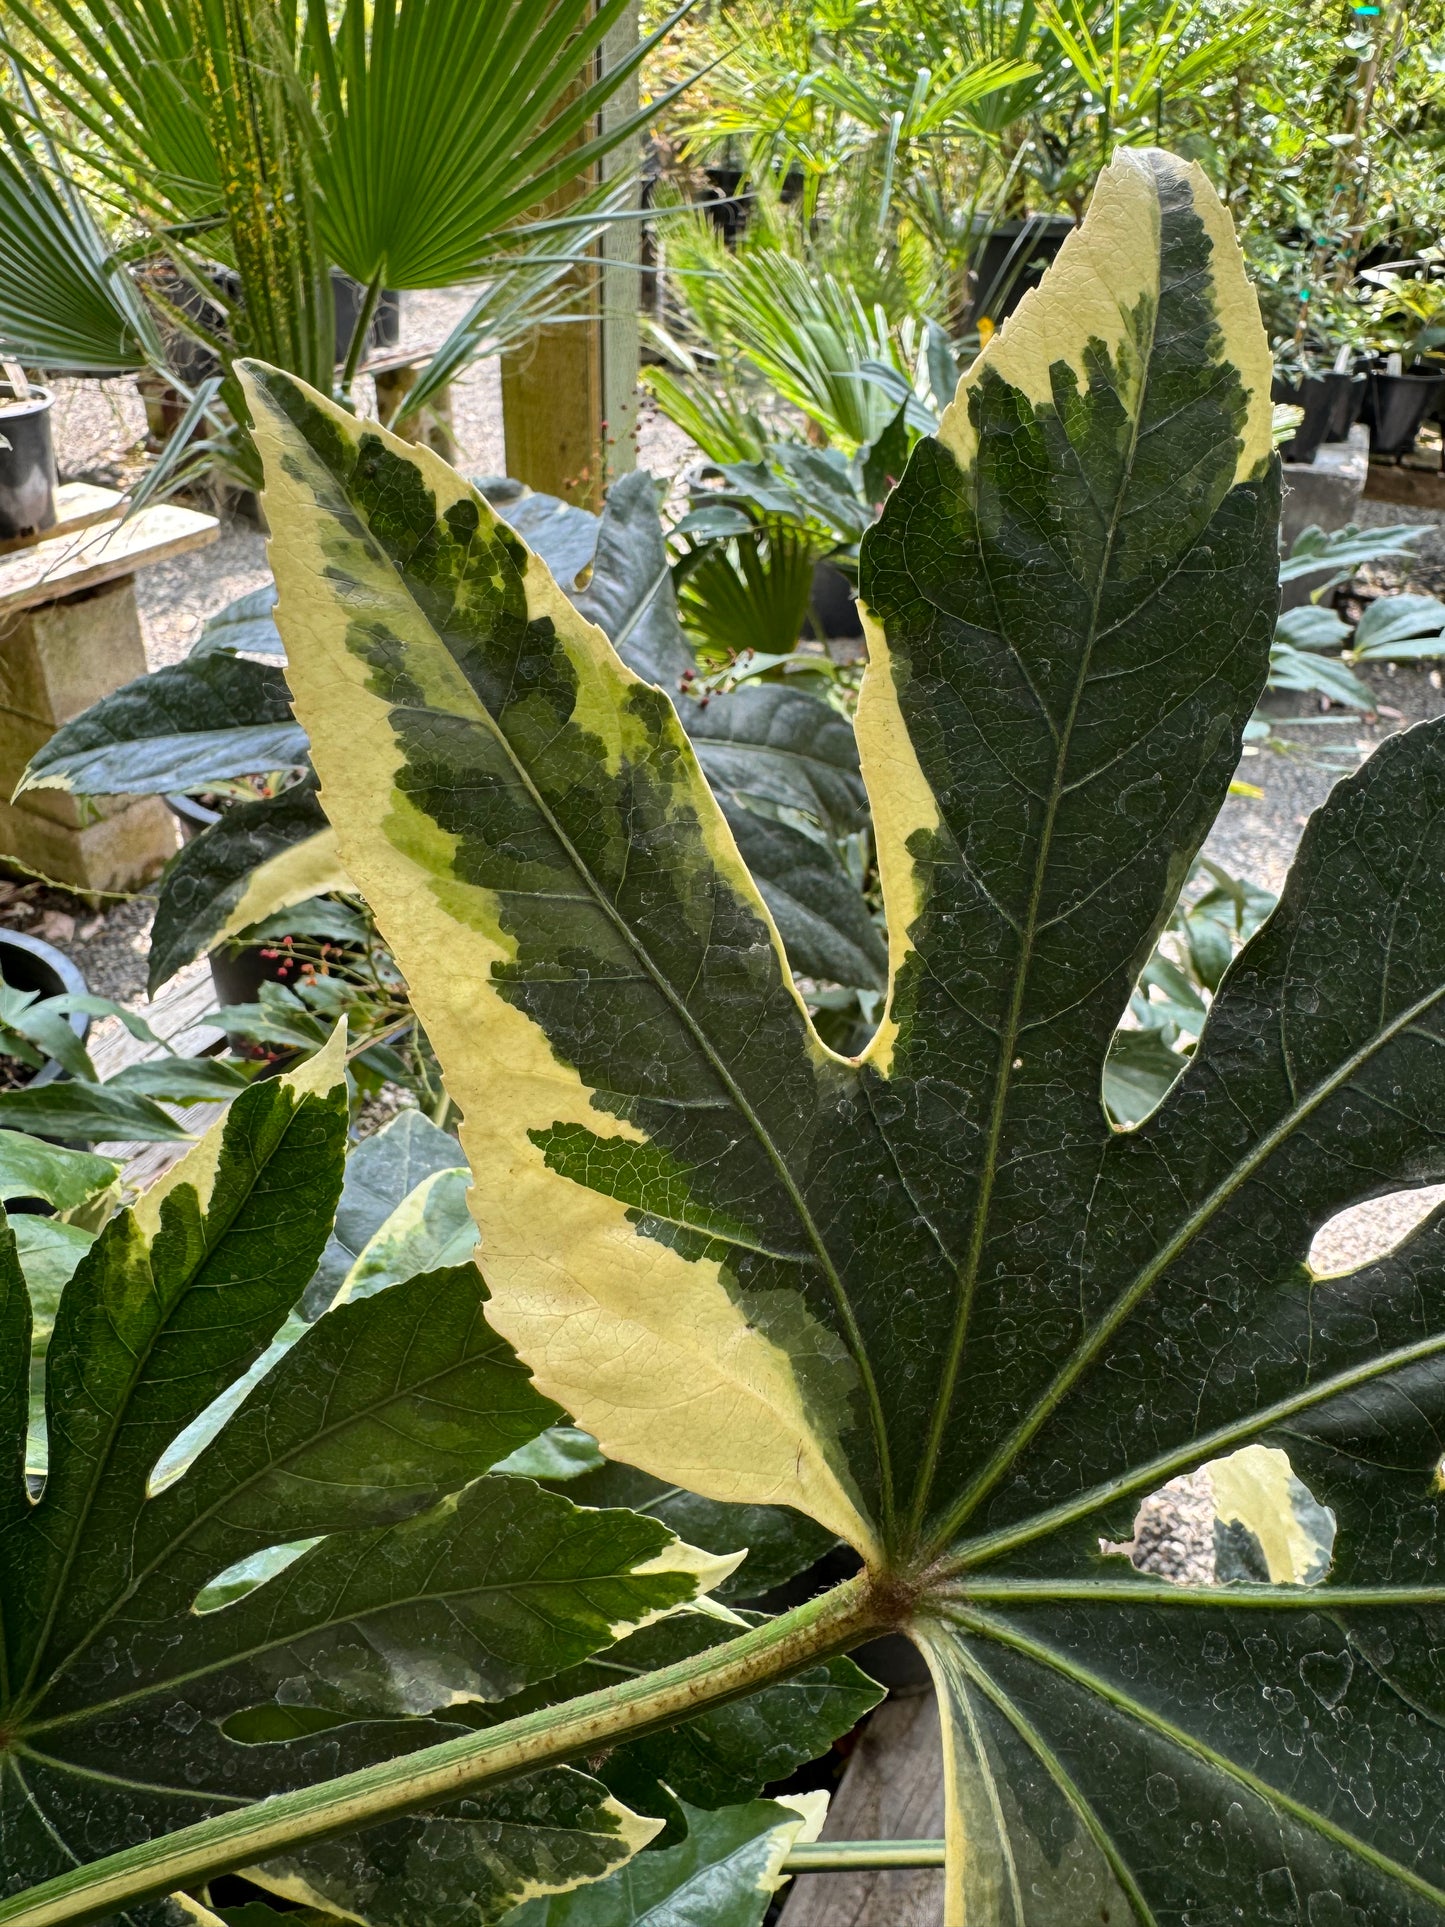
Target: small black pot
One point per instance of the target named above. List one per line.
(833, 603)
(1349, 393)
(1330, 403)
(192, 816)
(1012, 260)
(239, 972)
(28, 964)
(727, 209)
(728, 205)
(27, 464)
(347, 296)
(1395, 407)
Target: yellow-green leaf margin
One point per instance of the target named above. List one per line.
(646, 1346)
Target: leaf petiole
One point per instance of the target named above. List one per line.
(823, 1626)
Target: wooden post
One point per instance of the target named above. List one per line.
(569, 393)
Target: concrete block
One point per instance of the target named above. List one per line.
(60, 658)
(56, 660)
(120, 850)
(1326, 492)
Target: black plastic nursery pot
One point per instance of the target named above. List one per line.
(347, 296)
(1012, 260)
(728, 205)
(1349, 399)
(834, 605)
(27, 464)
(1331, 405)
(239, 970)
(28, 964)
(1395, 408)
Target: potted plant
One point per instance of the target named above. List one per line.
(38, 1031)
(1409, 310)
(1331, 399)
(1316, 368)
(252, 147)
(27, 458)
(49, 1085)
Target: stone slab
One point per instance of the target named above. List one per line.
(57, 660)
(1415, 488)
(119, 851)
(1326, 492)
(77, 506)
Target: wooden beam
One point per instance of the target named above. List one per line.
(569, 393)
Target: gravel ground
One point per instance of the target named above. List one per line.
(100, 429)
(1174, 1532)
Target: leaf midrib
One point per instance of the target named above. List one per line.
(1148, 1276)
(852, 1331)
(98, 1774)
(1244, 1595)
(1198, 1450)
(1013, 1023)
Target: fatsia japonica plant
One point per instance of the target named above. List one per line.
(928, 1297)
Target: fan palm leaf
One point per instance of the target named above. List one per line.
(63, 302)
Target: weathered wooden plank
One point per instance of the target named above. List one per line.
(65, 564)
(179, 1017)
(892, 1790)
(77, 506)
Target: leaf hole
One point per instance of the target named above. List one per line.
(1269, 1528)
(1174, 1533)
(1246, 1519)
(248, 1573)
(270, 1723)
(1367, 1232)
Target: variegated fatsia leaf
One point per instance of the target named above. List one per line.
(248, 1564)
(930, 1297)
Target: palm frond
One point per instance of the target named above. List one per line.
(806, 332)
(63, 303)
(444, 123)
